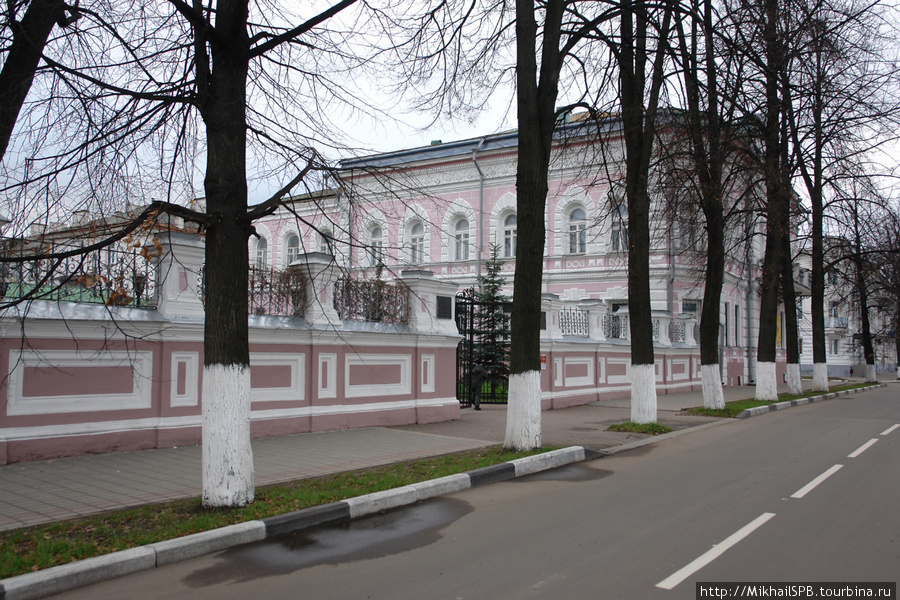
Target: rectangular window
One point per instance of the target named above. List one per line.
(727, 323)
(737, 324)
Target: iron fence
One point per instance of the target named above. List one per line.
(274, 292)
(110, 276)
(615, 326)
(371, 300)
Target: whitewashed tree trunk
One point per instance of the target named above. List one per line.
(227, 456)
(713, 394)
(871, 375)
(766, 382)
(794, 382)
(643, 393)
(820, 377)
(523, 414)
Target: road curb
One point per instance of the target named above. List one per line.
(761, 410)
(55, 580)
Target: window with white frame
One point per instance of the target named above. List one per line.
(262, 253)
(619, 230)
(577, 233)
(510, 235)
(376, 246)
(461, 240)
(326, 241)
(292, 248)
(416, 242)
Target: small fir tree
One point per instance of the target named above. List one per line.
(492, 321)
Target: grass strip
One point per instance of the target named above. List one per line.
(736, 407)
(645, 428)
(41, 546)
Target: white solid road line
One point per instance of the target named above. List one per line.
(890, 429)
(862, 448)
(716, 551)
(812, 484)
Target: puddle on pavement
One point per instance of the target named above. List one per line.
(572, 473)
(374, 536)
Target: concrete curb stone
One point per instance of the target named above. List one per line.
(55, 580)
(336, 512)
(761, 410)
(206, 542)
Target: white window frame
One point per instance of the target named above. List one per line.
(577, 231)
(619, 228)
(461, 245)
(291, 251)
(416, 242)
(261, 260)
(376, 246)
(510, 233)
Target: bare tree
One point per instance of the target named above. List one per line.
(171, 83)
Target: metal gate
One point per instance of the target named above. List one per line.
(476, 321)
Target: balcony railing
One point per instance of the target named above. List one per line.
(676, 332)
(615, 326)
(573, 321)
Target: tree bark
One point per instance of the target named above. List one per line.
(227, 474)
(766, 385)
(536, 99)
(639, 125)
(29, 38)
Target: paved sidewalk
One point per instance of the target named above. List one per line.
(45, 491)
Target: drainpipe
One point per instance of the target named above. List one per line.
(480, 245)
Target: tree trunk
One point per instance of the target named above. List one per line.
(766, 384)
(868, 346)
(227, 453)
(537, 118)
(795, 385)
(22, 58)
(820, 361)
(705, 135)
(639, 127)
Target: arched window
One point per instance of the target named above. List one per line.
(262, 253)
(462, 240)
(620, 228)
(376, 247)
(510, 234)
(326, 241)
(292, 248)
(417, 242)
(577, 233)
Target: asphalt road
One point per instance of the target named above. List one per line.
(756, 500)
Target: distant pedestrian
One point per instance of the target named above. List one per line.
(476, 377)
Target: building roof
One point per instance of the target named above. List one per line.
(574, 126)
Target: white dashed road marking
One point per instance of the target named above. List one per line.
(812, 484)
(862, 448)
(718, 550)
